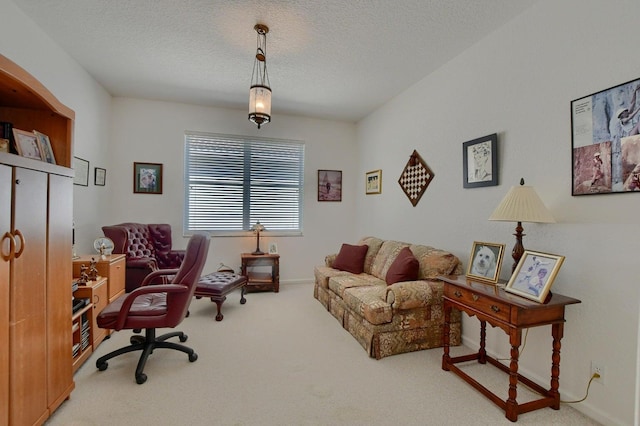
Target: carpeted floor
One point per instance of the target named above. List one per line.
(281, 359)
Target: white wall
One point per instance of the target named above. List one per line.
(25, 44)
(151, 131)
(519, 82)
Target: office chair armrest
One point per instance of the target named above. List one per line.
(158, 273)
(131, 297)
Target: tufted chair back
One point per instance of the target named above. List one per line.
(148, 248)
(139, 242)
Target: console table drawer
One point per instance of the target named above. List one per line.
(479, 302)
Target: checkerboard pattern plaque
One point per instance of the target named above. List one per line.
(415, 178)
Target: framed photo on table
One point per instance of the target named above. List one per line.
(534, 275)
(373, 182)
(485, 261)
(27, 144)
(480, 162)
(147, 178)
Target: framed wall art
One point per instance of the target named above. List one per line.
(45, 147)
(100, 176)
(329, 185)
(81, 170)
(485, 261)
(147, 178)
(373, 182)
(534, 275)
(605, 138)
(27, 144)
(480, 162)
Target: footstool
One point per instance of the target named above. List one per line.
(217, 285)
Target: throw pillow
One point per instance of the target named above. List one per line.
(351, 258)
(405, 268)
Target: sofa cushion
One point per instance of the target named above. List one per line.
(324, 273)
(369, 302)
(385, 257)
(405, 268)
(351, 258)
(340, 283)
(434, 262)
(374, 244)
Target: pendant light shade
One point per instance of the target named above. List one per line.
(260, 92)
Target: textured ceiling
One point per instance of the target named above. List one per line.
(336, 59)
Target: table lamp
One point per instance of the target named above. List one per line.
(521, 204)
(258, 228)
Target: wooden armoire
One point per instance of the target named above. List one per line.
(36, 219)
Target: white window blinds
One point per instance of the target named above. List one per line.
(232, 182)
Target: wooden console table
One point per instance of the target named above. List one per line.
(493, 305)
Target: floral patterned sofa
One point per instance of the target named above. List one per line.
(389, 319)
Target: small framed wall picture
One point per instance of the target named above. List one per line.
(329, 185)
(100, 176)
(273, 248)
(147, 178)
(81, 169)
(373, 183)
(485, 261)
(480, 162)
(534, 275)
(27, 144)
(45, 147)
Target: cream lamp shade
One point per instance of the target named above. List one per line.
(521, 204)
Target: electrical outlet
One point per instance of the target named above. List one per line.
(597, 368)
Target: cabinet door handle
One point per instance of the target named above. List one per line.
(495, 309)
(22, 242)
(12, 246)
(457, 293)
(474, 297)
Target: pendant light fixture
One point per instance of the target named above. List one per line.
(260, 92)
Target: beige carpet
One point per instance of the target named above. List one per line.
(281, 359)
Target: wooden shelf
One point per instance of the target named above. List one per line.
(253, 266)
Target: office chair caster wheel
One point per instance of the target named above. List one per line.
(141, 378)
(102, 365)
(135, 339)
(193, 357)
(183, 338)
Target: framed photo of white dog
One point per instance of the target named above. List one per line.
(534, 275)
(485, 261)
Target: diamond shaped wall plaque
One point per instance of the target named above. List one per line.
(415, 178)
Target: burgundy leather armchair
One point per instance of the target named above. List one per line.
(148, 248)
(156, 306)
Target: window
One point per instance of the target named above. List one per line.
(232, 182)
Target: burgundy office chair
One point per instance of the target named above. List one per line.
(152, 306)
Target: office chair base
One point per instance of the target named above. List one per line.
(147, 345)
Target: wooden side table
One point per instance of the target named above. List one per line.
(253, 266)
(493, 305)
